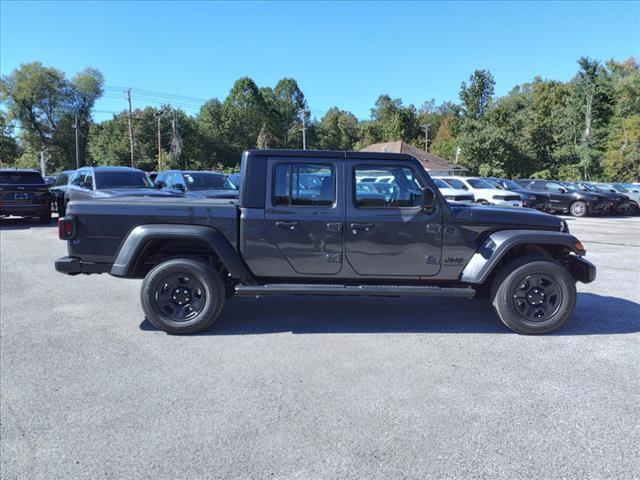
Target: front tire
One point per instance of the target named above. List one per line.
(533, 295)
(579, 209)
(182, 296)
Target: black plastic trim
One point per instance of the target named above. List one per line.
(498, 244)
(135, 242)
(377, 290)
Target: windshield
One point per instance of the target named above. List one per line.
(455, 183)
(479, 184)
(24, 178)
(511, 185)
(571, 187)
(602, 188)
(440, 184)
(207, 181)
(494, 183)
(122, 179)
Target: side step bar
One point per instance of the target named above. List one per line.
(378, 290)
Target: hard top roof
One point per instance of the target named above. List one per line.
(334, 154)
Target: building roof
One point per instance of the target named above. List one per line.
(428, 160)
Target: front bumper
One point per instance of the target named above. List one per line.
(599, 207)
(74, 266)
(507, 203)
(582, 270)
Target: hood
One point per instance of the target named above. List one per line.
(490, 192)
(213, 194)
(455, 192)
(134, 192)
(514, 217)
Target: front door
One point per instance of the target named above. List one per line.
(387, 231)
(304, 214)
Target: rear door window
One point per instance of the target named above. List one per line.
(304, 184)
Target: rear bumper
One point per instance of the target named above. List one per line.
(73, 266)
(582, 270)
(536, 204)
(25, 210)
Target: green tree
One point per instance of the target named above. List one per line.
(476, 96)
(337, 130)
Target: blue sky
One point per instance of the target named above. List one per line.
(344, 54)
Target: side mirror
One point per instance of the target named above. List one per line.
(160, 184)
(178, 186)
(562, 190)
(428, 200)
(87, 185)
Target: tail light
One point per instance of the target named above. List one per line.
(66, 228)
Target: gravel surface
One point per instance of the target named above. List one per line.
(313, 387)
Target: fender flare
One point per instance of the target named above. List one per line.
(139, 237)
(498, 244)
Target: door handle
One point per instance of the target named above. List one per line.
(363, 227)
(287, 225)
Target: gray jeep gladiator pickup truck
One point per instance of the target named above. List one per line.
(304, 223)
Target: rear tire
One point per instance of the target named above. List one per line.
(579, 209)
(533, 295)
(182, 296)
(46, 218)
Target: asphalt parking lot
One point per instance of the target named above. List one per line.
(315, 388)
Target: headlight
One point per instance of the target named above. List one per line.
(449, 197)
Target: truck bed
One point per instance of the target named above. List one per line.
(104, 223)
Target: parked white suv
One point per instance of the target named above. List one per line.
(454, 195)
(484, 192)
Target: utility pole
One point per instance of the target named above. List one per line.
(75, 127)
(159, 114)
(127, 94)
(426, 137)
(304, 129)
(457, 154)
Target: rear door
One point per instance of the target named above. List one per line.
(304, 214)
(558, 197)
(391, 235)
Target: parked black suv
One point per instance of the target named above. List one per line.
(537, 199)
(105, 182)
(23, 193)
(302, 225)
(196, 184)
(567, 198)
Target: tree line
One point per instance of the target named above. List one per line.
(586, 128)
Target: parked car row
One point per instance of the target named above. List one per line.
(575, 198)
(26, 193)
